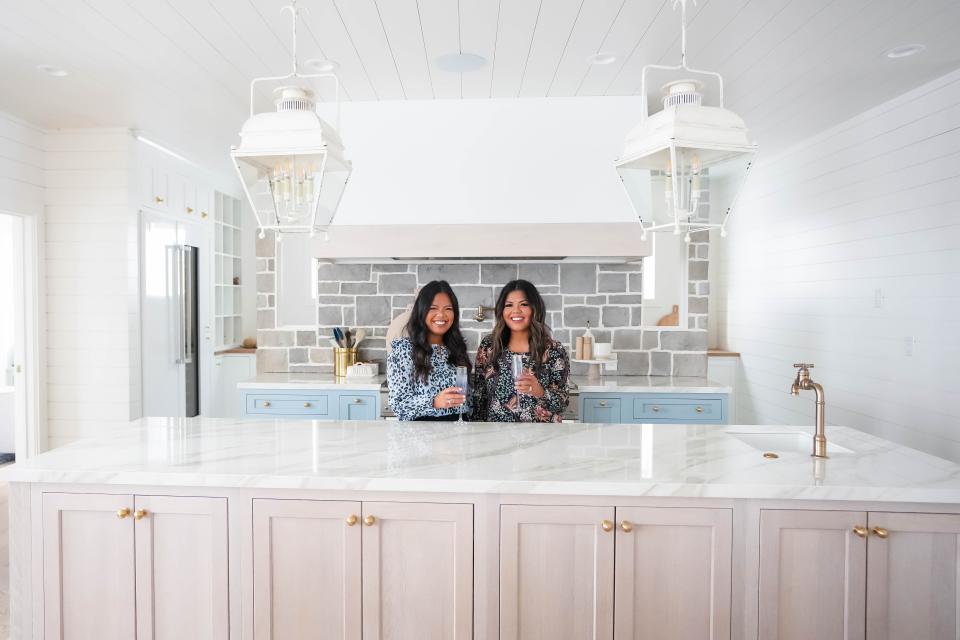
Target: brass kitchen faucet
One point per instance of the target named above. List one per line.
(803, 382)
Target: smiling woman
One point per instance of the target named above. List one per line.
(421, 369)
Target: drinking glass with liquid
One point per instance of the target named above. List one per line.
(517, 369)
(463, 382)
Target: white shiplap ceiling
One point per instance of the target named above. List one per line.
(180, 69)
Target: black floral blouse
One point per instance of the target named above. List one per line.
(494, 397)
(408, 396)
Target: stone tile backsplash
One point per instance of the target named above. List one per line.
(608, 296)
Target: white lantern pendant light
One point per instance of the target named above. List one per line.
(684, 151)
(290, 161)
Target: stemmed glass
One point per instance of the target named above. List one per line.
(462, 382)
(517, 369)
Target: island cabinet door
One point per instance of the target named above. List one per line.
(417, 571)
(556, 572)
(672, 576)
(813, 575)
(182, 570)
(88, 567)
(306, 569)
(913, 562)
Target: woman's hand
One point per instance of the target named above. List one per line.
(528, 384)
(449, 398)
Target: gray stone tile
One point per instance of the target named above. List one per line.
(601, 335)
(700, 236)
(548, 289)
(390, 268)
(272, 301)
(703, 288)
(578, 278)
(310, 368)
(540, 273)
(306, 338)
(635, 282)
(563, 336)
(631, 298)
(703, 251)
(373, 311)
(497, 273)
(298, 355)
(683, 340)
(633, 363)
(350, 316)
(275, 338)
(636, 316)
(266, 247)
(703, 322)
(612, 282)
(627, 339)
(691, 322)
(328, 286)
(329, 316)
(336, 300)
(262, 301)
(321, 356)
(568, 300)
(595, 300)
(660, 363)
(271, 360)
(401, 302)
(615, 316)
(692, 288)
(452, 273)
(470, 297)
(628, 267)
(553, 302)
(651, 339)
(690, 364)
(697, 304)
(403, 283)
(266, 319)
(579, 316)
(344, 272)
(697, 270)
(266, 283)
(365, 288)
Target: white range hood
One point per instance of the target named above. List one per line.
(610, 242)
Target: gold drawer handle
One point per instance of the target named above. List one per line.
(860, 531)
(139, 514)
(606, 525)
(352, 520)
(699, 409)
(158, 199)
(203, 214)
(656, 409)
(189, 209)
(123, 513)
(306, 405)
(603, 403)
(626, 526)
(266, 403)
(369, 521)
(882, 533)
(357, 401)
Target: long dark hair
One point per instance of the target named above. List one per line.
(420, 334)
(539, 331)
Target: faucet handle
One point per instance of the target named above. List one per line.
(803, 365)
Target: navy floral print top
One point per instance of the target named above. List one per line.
(496, 400)
(409, 396)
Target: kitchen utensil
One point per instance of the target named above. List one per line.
(348, 338)
(338, 334)
(334, 343)
(358, 338)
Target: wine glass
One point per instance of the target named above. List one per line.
(462, 382)
(517, 363)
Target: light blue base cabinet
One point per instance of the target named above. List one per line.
(311, 404)
(682, 408)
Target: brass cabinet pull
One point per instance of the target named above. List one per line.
(123, 513)
(369, 520)
(882, 533)
(656, 409)
(606, 525)
(603, 403)
(139, 514)
(158, 199)
(357, 401)
(266, 403)
(626, 526)
(189, 209)
(306, 405)
(203, 214)
(351, 520)
(860, 531)
(699, 409)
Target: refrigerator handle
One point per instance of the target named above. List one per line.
(180, 298)
(187, 304)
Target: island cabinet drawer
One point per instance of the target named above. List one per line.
(306, 405)
(678, 409)
(358, 407)
(600, 409)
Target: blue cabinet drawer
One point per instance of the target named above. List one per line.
(359, 407)
(308, 406)
(678, 409)
(605, 410)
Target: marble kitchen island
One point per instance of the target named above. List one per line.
(208, 528)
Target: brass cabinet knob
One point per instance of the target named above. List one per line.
(606, 525)
(123, 513)
(860, 531)
(306, 405)
(881, 532)
(189, 209)
(139, 514)
(656, 409)
(369, 520)
(266, 403)
(626, 526)
(203, 214)
(357, 401)
(352, 520)
(699, 409)
(603, 403)
(158, 199)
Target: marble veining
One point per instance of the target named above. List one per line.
(311, 381)
(647, 384)
(558, 459)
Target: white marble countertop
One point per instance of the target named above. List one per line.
(308, 381)
(647, 384)
(558, 459)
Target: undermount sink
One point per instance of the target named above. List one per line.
(791, 442)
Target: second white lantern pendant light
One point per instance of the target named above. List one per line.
(290, 161)
(677, 155)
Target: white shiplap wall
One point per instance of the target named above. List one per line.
(845, 252)
(92, 305)
(21, 167)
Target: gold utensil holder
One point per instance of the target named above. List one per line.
(343, 358)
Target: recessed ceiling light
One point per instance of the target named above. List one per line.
(51, 70)
(602, 57)
(904, 50)
(460, 62)
(322, 66)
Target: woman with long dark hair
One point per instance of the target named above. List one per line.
(538, 393)
(421, 368)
